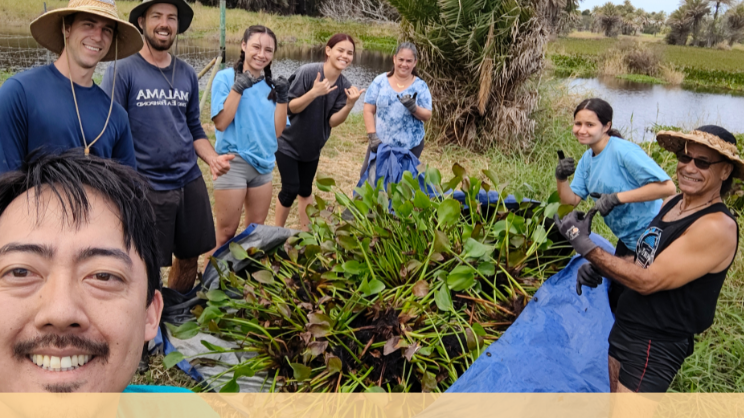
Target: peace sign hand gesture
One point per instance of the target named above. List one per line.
(353, 94)
(321, 88)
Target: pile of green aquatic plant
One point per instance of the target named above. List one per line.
(389, 291)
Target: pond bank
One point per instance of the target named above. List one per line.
(300, 30)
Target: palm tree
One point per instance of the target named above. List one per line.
(695, 10)
(477, 58)
(735, 23)
(680, 27)
(609, 19)
(713, 36)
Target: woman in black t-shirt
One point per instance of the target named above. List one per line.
(320, 99)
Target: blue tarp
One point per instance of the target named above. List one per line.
(558, 343)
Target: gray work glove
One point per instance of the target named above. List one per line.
(605, 202)
(565, 168)
(587, 276)
(576, 227)
(409, 102)
(244, 81)
(281, 88)
(374, 141)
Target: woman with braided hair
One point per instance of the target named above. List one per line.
(249, 110)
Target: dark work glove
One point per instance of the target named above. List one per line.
(374, 141)
(281, 87)
(605, 202)
(244, 81)
(576, 227)
(587, 276)
(564, 169)
(409, 102)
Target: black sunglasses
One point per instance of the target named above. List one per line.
(701, 164)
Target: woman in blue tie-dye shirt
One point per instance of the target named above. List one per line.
(397, 104)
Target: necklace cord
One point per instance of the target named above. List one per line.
(74, 97)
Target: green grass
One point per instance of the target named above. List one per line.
(288, 29)
(640, 78)
(703, 67)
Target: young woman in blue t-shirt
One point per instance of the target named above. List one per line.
(249, 111)
(396, 105)
(629, 186)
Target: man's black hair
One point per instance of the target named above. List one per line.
(731, 139)
(67, 174)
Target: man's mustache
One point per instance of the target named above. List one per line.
(23, 349)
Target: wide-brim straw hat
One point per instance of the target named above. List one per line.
(675, 142)
(47, 28)
(185, 13)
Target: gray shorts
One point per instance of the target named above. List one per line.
(241, 176)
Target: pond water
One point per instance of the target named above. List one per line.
(638, 106)
(19, 51)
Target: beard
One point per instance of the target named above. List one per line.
(157, 44)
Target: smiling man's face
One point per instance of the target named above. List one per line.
(74, 299)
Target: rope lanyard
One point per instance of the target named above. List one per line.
(74, 97)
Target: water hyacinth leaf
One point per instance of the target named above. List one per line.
(391, 345)
(461, 278)
(284, 310)
(325, 180)
(458, 170)
(372, 287)
(238, 251)
(293, 254)
(317, 348)
(448, 212)
(478, 329)
(452, 184)
(319, 330)
(539, 236)
(213, 347)
(428, 382)
(443, 299)
(487, 269)
(554, 197)
(552, 209)
(382, 200)
(404, 210)
(301, 372)
(564, 210)
(311, 251)
(424, 351)
(517, 257)
(474, 249)
(354, 267)
(375, 389)
(410, 351)
(413, 265)
(516, 241)
(320, 203)
(334, 365)
(441, 242)
(216, 295)
(421, 201)
(492, 176)
(172, 359)
(263, 276)
(320, 318)
(421, 288)
(245, 370)
(231, 387)
(437, 257)
(210, 313)
(363, 208)
(184, 331)
(347, 242)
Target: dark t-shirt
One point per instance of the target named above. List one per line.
(165, 122)
(309, 130)
(673, 314)
(37, 110)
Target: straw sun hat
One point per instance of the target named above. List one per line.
(709, 136)
(47, 28)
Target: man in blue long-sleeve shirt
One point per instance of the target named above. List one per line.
(161, 95)
(39, 108)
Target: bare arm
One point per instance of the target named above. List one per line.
(369, 117)
(422, 114)
(651, 191)
(352, 95)
(280, 118)
(567, 196)
(708, 246)
(320, 88)
(227, 114)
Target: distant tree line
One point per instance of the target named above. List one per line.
(704, 23)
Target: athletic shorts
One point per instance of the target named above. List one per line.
(241, 176)
(184, 223)
(648, 365)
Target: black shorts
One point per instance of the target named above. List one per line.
(648, 365)
(616, 289)
(184, 223)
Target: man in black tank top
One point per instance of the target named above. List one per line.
(681, 263)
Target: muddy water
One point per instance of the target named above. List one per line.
(19, 51)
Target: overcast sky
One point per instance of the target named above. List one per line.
(647, 5)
